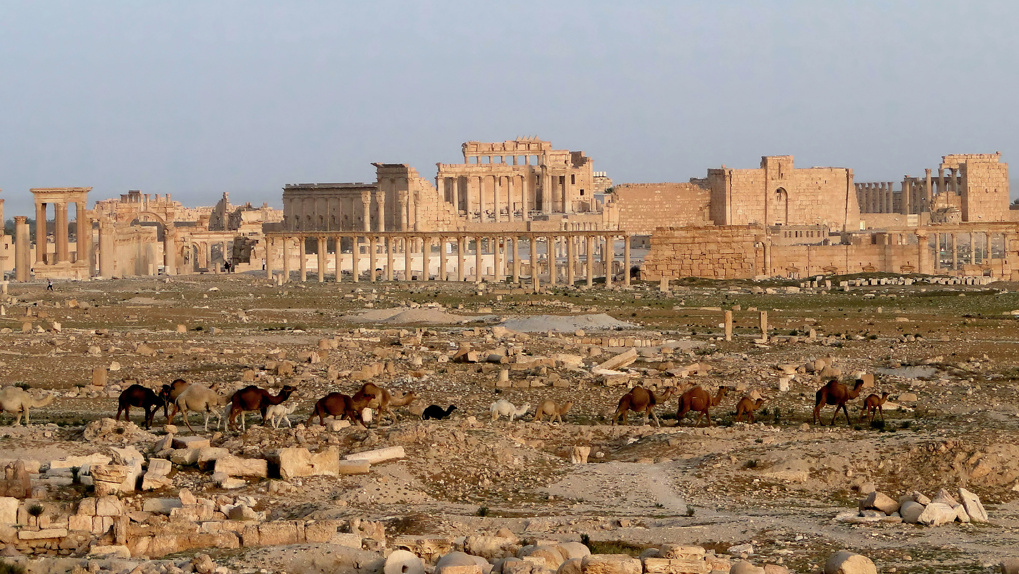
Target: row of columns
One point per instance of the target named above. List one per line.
(60, 236)
(504, 251)
(916, 195)
(945, 243)
(469, 192)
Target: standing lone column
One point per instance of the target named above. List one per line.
(366, 210)
(389, 259)
(169, 245)
(286, 259)
(321, 259)
(570, 262)
(426, 248)
(338, 257)
(22, 250)
(478, 261)
(371, 258)
(460, 259)
(302, 251)
(355, 257)
(608, 256)
(626, 260)
(550, 256)
(590, 261)
(401, 202)
(955, 252)
(40, 233)
(496, 265)
(728, 325)
(83, 234)
(268, 258)
(443, 275)
(514, 248)
(764, 326)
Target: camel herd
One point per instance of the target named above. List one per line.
(187, 397)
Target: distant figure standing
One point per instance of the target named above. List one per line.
(49, 284)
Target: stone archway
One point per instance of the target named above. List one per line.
(169, 238)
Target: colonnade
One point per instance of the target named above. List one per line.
(495, 197)
(560, 257)
(952, 250)
(916, 196)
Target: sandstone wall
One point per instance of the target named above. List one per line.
(644, 207)
(986, 195)
(711, 252)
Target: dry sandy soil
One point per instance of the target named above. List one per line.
(776, 484)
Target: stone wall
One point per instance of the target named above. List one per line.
(712, 252)
(644, 207)
(985, 196)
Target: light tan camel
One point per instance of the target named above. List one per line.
(872, 405)
(18, 400)
(202, 399)
(641, 400)
(553, 411)
(747, 406)
(502, 407)
(383, 399)
(698, 400)
(835, 393)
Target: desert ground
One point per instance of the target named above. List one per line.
(780, 491)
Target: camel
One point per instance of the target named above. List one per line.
(872, 405)
(507, 409)
(252, 398)
(198, 398)
(747, 406)
(18, 400)
(835, 393)
(144, 397)
(172, 391)
(698, 400)
(436, 412)
(341, 406)
(280, 412)
(553, 411)
(384, 399)
(640, 400)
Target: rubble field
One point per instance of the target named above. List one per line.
(929, 485)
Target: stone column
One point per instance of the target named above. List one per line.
(937, 252)
(481, 199)
(454, 183)
(571, 262)
(941, 180)
(286, 259)
(590, 261)
(380, 201)
(906, 201)
(83, 231)
(764, 326)
(927, 194)
(302, 252)
(955, 252)
(268, 258)
(40, 233)
(534, 258)
(524, 192)
(321, 259)
(509, 196)
(338, 257)
(972, 248)
(417, 210)
(371, 258)
(550, 256)
(401, 202)
(515, 249)
(497, 259)
(355, 257)
(626, 260)
(407, 255)
(443, 274)
(608, 256)
(169, 245)
(728, 325)
(922, 250)
(546, 194)
(479, 269)
(460, 259)
(426, 248)
(366, 210)
(389, 259)
(22, 250)
(987, 237)
(60, 233)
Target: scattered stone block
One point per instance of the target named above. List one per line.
(844, 562)
(619, 361)
(378, 455)
(242, 467)
(936, 514)
(881, 502)
(974, 508)
(295, 462)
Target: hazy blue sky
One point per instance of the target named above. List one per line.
(196, 98)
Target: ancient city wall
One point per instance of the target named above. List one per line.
(711, 252)
(644, 207)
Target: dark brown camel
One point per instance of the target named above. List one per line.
(835, 393)
(698, 400)
(747, 406)
(253, 398)
(641, 400)
(344, 406)
(872, 405)
(172, 391)
(144, 397)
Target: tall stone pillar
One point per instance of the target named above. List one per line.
(407, 262)
(481, 199)
(107, 249)
(590, 261)
(321, 259)
(338, 257)
(426, 248)
(533, 261)
(416, 198)
(401, 202)
(169, 245)
(922, 253)
(366, 210)
(302, 251)
(972, 248)
(571, 262)
(479, 269)
(988, 256)
(927, 195)
(460, 276)
(268, 258)
(937, 253)
(550, 256)
(941, 180)
(355, 258)
(286, 259)
(372, 245)
(60, 239)
(906, 199)
(496, 259)
(454, 193)
(22, 249)
(546, 193)
(443, 274)
(526, 189)
(515, 249)
(83, 232)
(955, 252)
(40, 233)
(509, 196)
(389, 259)
(626, 260)
(608, 256)
(380, 202)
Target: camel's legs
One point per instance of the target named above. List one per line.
(655, 417)
(881, 410)
(184, 415)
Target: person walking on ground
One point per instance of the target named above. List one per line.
(49, 284)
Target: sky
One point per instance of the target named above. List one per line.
(196, 98)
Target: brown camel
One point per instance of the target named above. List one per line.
(641, 400)
(144, 397)
(747, 406)
(383, 399)
(253, 398)
(872, 405)
(335, 405)
(553, 411)
(835, 393)
(698, 400)
(172, 391)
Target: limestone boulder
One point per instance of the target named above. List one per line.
(574, 550)
(572, 566)
(403, 562)
(610, 564)
(295, 462)
(744, 567)
(246, 467)
(910, 511)
(974, 508)
(936, 514)
(491, 547)
(882, 502)
(845, 562)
